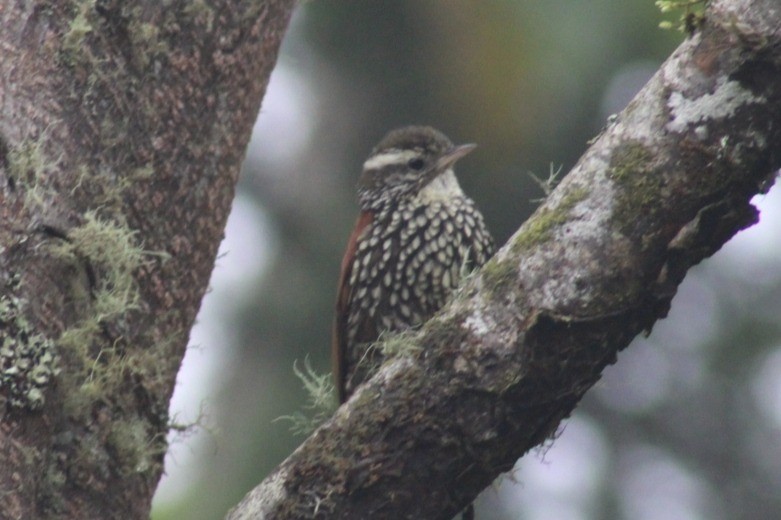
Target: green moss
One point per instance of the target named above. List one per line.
(143, 173)
(109, 250)
(201, 12)
(147, 45)
(539, 227)
(442, 330)
(29, 167)
(629, 160)
(691, 14)
(55, 478)
(320, 404)
(497, 275)
(398, 344)
(79, 27)
(97, 71)
(132, 445)
(104, 248)
(26, 162)
(32, 170)
(368, 395)
(632, 168)
(28, 361)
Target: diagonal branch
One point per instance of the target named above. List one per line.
(665, 185)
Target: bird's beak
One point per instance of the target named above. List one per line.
(454, 154)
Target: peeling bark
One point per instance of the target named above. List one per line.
(123, 125)
(666, 184)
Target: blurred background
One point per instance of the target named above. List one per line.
(687, 425)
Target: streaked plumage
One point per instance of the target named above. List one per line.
(415, 235)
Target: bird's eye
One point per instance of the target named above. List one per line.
(416, 164)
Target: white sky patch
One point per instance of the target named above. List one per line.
(766, 387)
(641, 381)
(725, 100)
(284, 126)
(244, 255)
(564, 482)
(751, 257)
(655, 486)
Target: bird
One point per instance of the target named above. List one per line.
(416, 235)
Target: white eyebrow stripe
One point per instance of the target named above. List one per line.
(391, 157)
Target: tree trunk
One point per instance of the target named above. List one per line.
(122, 128)
(667, 183)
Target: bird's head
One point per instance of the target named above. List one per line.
(414, 161)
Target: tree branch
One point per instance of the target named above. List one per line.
(122, 128)
(665, 185)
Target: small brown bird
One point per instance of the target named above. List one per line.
(416, 233)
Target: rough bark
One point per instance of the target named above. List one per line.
(122, 128)
(666, 184)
